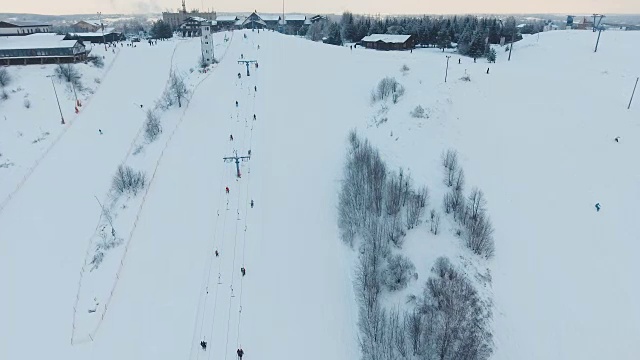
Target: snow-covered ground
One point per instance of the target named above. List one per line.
(536, 135)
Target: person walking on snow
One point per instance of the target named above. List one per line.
(100, 131)
(252, 203)
(598, 207)
(227, 189)
(231, 137)
(236, 103)
(217, 253)
(617, 139)
(240, 353)
(203, 344)
(243, 271)
(254, 118)
(255, 89)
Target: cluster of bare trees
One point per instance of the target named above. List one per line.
(376, 206)
(372, 195)
(388, 88)
(5, 80)
(470, 212)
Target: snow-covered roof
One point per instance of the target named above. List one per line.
(295, 17)
(24, 23)
(270, 17)
(35, 41)
(92, 22)
(395, 39)
(107, 31)
(226, 18)
(239, 22)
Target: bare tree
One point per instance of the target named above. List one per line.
(178, 87)
(415, 208)
(479, 236)
(70, 74)
(394, 193)
(152, 127)
(5, 78)
(435, 222)
(413, 321)
(450, 164)
(477, 203)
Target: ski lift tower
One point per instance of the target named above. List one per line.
(247, 62)
(237, 160)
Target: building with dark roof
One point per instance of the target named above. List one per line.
(21, 28)
(40, 49)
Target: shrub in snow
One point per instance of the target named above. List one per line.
(466, 78)
(202, 62)
(96, 61)
(398, 272)
(5, 78)
(97, 80)
(69, 73)
(152, 127)
(404, 69)
(4, 95)
(27, 103)
(416, 203)
(388, 88)
(127, 180)
(450, 164)
(418, 112)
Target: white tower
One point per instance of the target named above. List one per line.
(206, 41)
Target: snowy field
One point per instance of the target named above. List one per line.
(535, 134)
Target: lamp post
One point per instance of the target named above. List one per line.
(57, 100)
(446, 72)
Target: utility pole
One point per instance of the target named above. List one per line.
(633, 93)
(102, 27)
(57, 100)
(598, 27)
(513, 37)
(283, 21)
(237, 160)
(446, 72)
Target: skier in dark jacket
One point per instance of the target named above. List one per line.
(243, 271)
(252, 204)
(597, 206)
(203, 344)
(240, 353)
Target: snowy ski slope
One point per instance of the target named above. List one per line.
(536, 134)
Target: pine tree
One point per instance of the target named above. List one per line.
(334, 37)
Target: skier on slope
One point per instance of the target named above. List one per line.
(617, 139)
(236, 103)
(243, 271)
(227, 189)
(254, 116)
(255, 89)
(240, 353)
(252, 203)
(598, 207)
(231, 137)
(217, 253)
(203, 344)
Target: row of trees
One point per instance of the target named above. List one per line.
(470, 212)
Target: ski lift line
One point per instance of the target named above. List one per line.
(204, 295)
(203, 304)
(244, 238)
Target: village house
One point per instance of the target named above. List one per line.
(388, 42)
(87, 26)
(98, 37)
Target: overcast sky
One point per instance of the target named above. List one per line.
(328, 6)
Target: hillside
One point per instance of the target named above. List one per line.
(535, 134)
